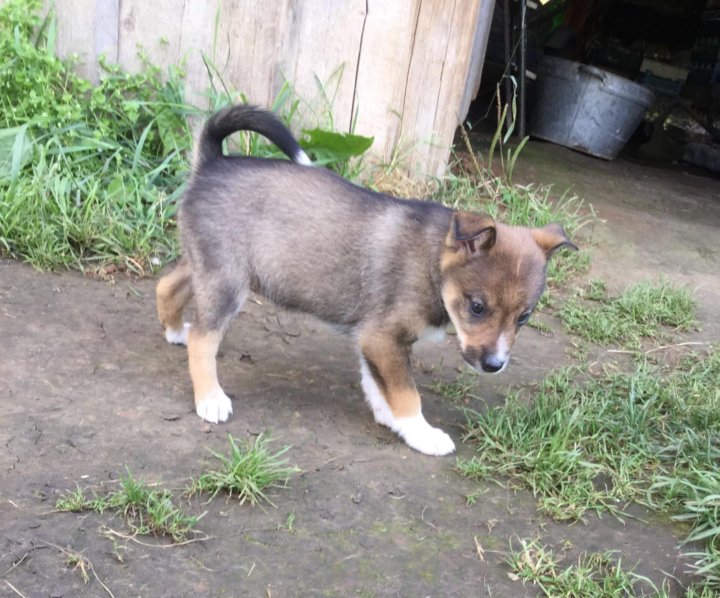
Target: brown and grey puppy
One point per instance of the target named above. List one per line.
(382, 268)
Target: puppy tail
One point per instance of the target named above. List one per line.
(243, 117)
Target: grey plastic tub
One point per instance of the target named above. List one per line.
(586, 108)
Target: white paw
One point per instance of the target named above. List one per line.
(178, 337)
(215, 407)
(421, 436)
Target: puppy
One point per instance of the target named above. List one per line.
(381, 268)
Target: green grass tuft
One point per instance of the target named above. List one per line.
(650, 436)
(598, 575)
(91, 173)
(639, 312)
(147, 511)
(248, 470)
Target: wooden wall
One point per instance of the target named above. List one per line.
(404, 70)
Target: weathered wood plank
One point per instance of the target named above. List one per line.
(197, 38)
(153, 28)
(405, 70)
(427, 62)
(78, 38)
(321, 57)
(105, 39)
(249, 46)
(382, 73)
(477, 57)
(436, 80)
(454, 76)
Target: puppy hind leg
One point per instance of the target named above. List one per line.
(172, 294)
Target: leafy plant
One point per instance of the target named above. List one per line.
(88, 175)
(329, 148)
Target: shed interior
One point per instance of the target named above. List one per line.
(671, 47)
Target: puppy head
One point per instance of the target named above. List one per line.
(492, 278)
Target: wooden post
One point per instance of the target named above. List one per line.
(402, 71)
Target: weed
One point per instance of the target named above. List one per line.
(471, 499)
(595, 575)
(73, 502)
(289, 525)
(79, 563)
(92, 173)
(639, 312)
(460, 390)
(541, 327)
(147, 511)
(249, 469)
(651, 436)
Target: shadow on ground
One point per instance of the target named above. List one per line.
(89, 387)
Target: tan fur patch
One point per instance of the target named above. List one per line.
(202, 350)
(551, 238)
(389, 363)
(172, 294)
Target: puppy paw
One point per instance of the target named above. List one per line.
(215, 407)
(178, 337)
(421, 436)
(383, 415)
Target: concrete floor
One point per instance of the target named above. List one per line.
(652, 221)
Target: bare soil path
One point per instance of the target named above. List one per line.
(88, 387)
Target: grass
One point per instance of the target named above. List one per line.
(641, 311)
(147, 511)
(594, 443)
(245, 474)
(90, 174)
(597, 575)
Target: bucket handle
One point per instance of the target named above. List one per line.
(593, 72)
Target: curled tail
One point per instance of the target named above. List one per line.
(246, 118)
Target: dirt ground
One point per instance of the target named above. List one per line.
(89, 387)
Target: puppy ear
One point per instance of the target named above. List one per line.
(470, 231)
(552, 237)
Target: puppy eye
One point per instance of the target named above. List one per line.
(477, 308)
(523, 319)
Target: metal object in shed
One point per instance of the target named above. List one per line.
(586, 108)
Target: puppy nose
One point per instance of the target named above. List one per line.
(492, 364)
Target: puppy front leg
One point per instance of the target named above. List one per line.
(393, 397)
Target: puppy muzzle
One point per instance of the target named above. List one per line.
(484, 361)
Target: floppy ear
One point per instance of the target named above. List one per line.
(472, 232)
(552, 237)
